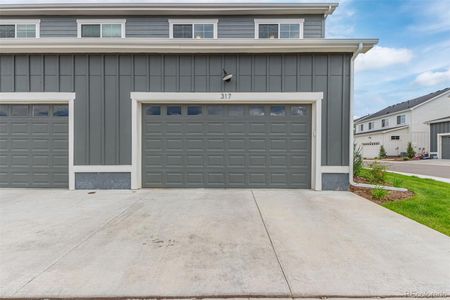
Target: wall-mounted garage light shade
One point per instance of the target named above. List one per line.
(227, 76)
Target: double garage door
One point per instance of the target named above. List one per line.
(226, 146)
(33, 145)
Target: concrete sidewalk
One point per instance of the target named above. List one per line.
(214, 243)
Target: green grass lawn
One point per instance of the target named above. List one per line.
(431, 204)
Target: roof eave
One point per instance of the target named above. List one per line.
(151, 45)
(166, 8)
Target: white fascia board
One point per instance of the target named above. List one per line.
(151, 45)
(429, 100)
(400, 112)
(167, 9)
(381, 131)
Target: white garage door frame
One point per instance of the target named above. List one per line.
(139, 98)
(49, 98)
(439, 143)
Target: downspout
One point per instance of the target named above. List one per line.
(352, 74)
(350, 163)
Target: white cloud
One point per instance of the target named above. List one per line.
(382, 57)
(433, 78)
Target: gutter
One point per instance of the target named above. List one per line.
(166, 45)
(358, 51)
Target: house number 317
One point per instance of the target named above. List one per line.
(225, 96)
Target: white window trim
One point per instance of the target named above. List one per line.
(192, 22)
(404, 119)
(49, 98)
(439, 143)
(101, 22)
(279, 22)
(15, 22)
(138, 98)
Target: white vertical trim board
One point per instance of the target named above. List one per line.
(138, 98)
(439, 143)
(49, 98)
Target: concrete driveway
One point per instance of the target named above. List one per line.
(432, 168)
(214, 243)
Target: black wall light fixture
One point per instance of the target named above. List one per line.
(227, 76)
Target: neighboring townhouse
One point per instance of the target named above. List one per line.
(395, 126)
(175, 95)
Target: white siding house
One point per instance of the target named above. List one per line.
(397, 125)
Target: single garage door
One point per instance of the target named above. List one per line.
(226, 146)
(34, 145)
(446, 147)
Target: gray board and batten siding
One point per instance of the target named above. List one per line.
(158, 26)
(103, 83)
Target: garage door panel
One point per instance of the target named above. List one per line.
(236, 128)
(4, 129)
(19, 128)
(174, 127)
(34, 150)
(174, 144)
(229, 150)
(18, 144)
(257, 144)
(39, 128)
(257, 128)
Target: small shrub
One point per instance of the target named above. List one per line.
(405, 158)
(377, 173)
(397, 182)
(379, 194)
(382, 153)
(357, 161)
(410, 151)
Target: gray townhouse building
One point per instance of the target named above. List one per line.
(129, 96)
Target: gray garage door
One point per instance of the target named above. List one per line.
(34, 146)
(446, 147)
(226, 146)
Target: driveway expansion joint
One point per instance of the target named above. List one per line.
(271, 244)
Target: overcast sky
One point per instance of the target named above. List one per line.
(412, 58)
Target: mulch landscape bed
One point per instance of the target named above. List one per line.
(391, 196)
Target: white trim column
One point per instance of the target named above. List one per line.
(49, 98)
(439, 143)
(138, 98)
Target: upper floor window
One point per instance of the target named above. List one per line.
(279, 29)
(25, 28)
(101, 28)
(193, 29)
(401, 119)
(371, 125)
(361, 127)
(384, 123)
